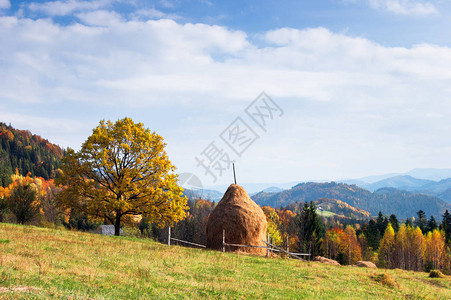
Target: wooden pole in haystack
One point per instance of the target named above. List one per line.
(234, 176)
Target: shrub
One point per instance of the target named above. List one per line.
(22, 203)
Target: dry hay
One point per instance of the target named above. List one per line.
(365, 264)
(242, 219)
(386, 279)
(325, 260)
(436, 274)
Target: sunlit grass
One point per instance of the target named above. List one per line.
(37, 263)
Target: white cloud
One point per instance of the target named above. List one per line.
(153, 13)
(62, 8)
(349, 101)
(404, 7)
(100, 18)
(5, 4)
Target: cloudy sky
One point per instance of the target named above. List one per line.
(358, 87)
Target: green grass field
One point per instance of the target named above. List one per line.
(38, 263)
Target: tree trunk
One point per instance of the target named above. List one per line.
(117, 225)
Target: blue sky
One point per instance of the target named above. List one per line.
(364, 85)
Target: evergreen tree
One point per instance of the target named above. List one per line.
(382, 223)
(372, 234)
(421, 222)
(393, 220)
(408, 223)
(431, 225)
(446, 226)
(311, 230)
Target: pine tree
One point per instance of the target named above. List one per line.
(311, 230)
(446, 226)
(431, 225)
(373, 235)
(394, 222)
(421, 222)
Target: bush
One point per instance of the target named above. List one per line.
(22, 203)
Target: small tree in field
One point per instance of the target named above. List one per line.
(122, 170)
(22, 203)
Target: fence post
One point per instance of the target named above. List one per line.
(288, 244)
(267, 245)
(223, 240)
(169, 236)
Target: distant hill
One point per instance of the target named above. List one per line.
(440, 189)
(403, 182)
(205, 194)
(421, 173)
(388, 200)
(26, 152)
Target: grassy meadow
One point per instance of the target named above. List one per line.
(40, 263)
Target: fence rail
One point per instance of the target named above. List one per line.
(189, 243)
(270, 247)
(278, 249)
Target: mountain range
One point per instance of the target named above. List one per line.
(387, 200)
(440, 189)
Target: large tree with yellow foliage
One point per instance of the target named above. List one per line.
(122, 170)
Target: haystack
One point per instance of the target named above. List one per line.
(325, 260)
(365, 264)
(242, 219)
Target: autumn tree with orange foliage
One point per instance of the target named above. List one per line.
(122, 170)
(331, 242)
(350, 246)
(20, 201)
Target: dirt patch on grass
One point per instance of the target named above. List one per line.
(17, 289)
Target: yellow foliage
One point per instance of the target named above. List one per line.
(387, 247)
(435, 248)
(122, 169)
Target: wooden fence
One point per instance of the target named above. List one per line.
(270, 247)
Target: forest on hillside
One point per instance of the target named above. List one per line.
(26, 153)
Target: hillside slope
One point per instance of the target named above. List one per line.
(26, 152)
(389, 201)
(42, 263)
